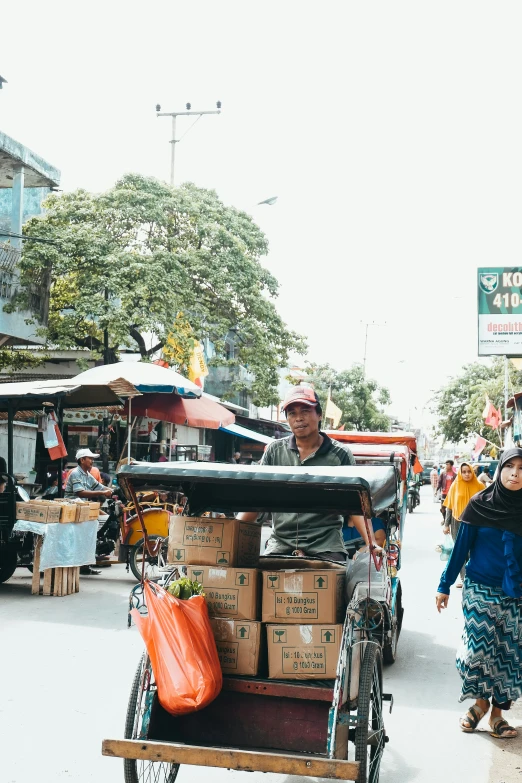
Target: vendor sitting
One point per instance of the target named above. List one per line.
(350, 532)
(80, 482)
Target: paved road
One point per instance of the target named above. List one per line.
(66, 666)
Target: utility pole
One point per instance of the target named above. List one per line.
(175, 115)
(105, 426)
(367, 325)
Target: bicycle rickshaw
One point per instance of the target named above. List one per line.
(319, 728)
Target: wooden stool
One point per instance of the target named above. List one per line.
(56, 581)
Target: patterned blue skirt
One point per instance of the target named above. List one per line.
(490, 657)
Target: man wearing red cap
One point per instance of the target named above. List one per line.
(309, 533)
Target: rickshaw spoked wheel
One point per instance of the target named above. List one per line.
(154, 564)
(370, 736)
(143, 693)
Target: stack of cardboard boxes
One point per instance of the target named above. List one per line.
(304, 614)
(222, 554)
(59, 510)
(302, 611)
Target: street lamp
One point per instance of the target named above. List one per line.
(175, 115)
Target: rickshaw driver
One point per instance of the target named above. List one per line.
(305, 534)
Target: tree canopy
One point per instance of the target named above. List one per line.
(144, 261)
(361, 399)
(460, 403)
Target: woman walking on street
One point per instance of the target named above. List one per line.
(461, 491)
(490, 657)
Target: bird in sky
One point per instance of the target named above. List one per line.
(269, 201)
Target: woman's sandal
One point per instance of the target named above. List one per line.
(473, 716)
(499, 728)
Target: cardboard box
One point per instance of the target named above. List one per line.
(303, 596)
(38, 511)
(229, 592)
(82, 512)
(238, 645)
(207, 541)
(68, 512)
(303, 652)
(94, 510)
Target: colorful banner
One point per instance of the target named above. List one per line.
(198, 371)
(500, 311)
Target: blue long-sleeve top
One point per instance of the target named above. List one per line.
(495, 559)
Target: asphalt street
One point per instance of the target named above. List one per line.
(67, 663)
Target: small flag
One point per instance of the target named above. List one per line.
(332, 411)
(491, 415)
(478, 448)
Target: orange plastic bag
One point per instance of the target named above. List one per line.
(182, 650)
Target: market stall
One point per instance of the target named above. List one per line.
(45, 400)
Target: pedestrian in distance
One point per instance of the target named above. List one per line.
(434, 481)
(461, 491)
(446, 479)
(489, 659)
(485, 478)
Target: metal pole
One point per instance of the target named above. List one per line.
(506, 387)
(173, 151)
(129, 430)
(59, 416)
(10, 438)
(365, 349)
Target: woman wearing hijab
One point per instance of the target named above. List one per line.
(461, 491)
(490, 657)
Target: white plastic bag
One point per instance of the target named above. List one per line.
(49, 433)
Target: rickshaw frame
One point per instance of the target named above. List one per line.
(347, 492)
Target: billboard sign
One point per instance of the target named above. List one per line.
(500, 311)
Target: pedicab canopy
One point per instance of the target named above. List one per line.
(369, 454)
(216, 486)
(407, 439)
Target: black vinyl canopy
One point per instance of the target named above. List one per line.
(215, 486)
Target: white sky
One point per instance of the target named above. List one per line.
(391, 133)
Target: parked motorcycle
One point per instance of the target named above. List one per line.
(109, 530)
(413, 496)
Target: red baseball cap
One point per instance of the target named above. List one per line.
(302, 394)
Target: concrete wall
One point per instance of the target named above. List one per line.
(33, 198)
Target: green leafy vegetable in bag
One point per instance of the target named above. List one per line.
(184, 588)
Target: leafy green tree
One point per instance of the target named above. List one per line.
(129, 261)
(361, 399)
(460, 403)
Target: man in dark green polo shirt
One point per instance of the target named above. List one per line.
(304, 534)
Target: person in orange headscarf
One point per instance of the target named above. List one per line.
(461, 491)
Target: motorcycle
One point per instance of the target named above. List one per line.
(109, 529)
(413, 496)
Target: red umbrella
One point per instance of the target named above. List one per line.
(203, 413)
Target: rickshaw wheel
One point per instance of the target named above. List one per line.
(8, 563)
(369, 734)
(153, 565)
(142, 695)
